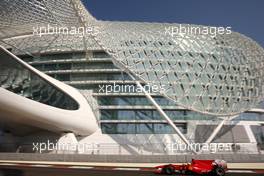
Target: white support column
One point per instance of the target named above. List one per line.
(216, 131)
(218, 128)
(164, 115)
(250, 134)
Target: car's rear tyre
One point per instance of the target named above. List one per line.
(11, 172)
(183, 172)
(219, 171)
(169, 170)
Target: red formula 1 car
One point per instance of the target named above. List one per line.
(197, 167)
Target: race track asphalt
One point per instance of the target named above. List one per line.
(42, 171)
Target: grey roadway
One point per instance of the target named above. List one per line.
(82, 172)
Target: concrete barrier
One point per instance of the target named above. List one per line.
(235, 158)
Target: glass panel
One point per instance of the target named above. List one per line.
(100, 54)
(135, 114)
(141, 128)
(16, 78)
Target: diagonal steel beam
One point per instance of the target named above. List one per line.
(217, 129)
(163, 114)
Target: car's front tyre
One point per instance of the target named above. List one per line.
(219, 171)
(168, 170)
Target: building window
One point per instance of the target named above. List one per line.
(100, 54)
(141, 128)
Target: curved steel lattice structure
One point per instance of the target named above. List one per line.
(221, 75)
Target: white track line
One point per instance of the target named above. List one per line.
(7, 164)
(39, 165)
(80, 167)
(127, 169)
(240, 171)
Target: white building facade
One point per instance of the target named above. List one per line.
(100, 87)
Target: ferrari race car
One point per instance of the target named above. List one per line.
(196, 167)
